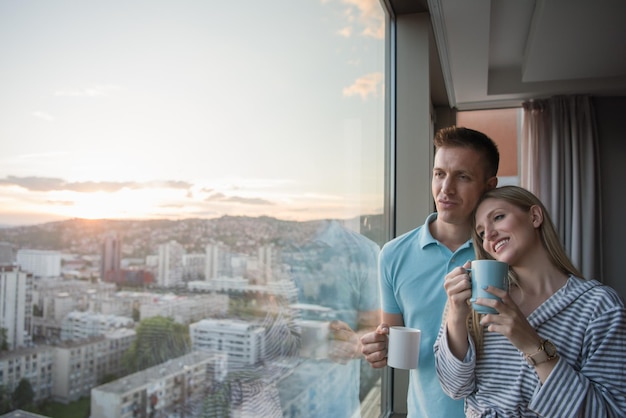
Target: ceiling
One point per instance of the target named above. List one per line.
(498, 53)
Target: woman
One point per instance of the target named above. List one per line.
(556, 348)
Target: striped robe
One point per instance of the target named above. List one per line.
(587, 322)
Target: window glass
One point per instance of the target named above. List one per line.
(192, 206)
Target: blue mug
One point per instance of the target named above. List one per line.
(487, 273)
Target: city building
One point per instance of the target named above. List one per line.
(55, 298)
(170, 268)
(184, 309)
(265, 263)
(16, 299)
(81, 365)
(41, 263)
(34, 364)
(217, 261)
(243, 342)
(7, 253)
(194, 266)
(159, 389)
(110, 268)
(221, 284)
(80, 325)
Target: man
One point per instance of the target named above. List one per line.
(412, 266)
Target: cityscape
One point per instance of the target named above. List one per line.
(225, 317)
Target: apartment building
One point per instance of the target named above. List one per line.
(41, 263)
(34, 364)
(170, 267)
(15, 307)
(243, 342)
(160, 390)
(184, 309)
(80, 325)
(82, 295)
(194, 266)
(81, 365)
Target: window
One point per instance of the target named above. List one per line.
(204, 168)
(503, 126)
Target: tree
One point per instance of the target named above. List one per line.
(5, 401)
(23, 395)
(158, 339)
(4, 340)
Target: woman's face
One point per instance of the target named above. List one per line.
(508, 232)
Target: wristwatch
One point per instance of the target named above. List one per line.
(545, 352)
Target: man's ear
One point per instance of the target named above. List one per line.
(536, 215)
(492, 183)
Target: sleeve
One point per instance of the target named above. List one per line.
(456, 377)
(389, 303)
(598, 389)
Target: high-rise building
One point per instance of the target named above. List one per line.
(170, 270)
(15, 306)
(195, 266)
(266, 253)
(111, 265)
(217, 261)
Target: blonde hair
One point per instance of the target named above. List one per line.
(524, 200)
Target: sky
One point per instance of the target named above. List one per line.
(142, 109)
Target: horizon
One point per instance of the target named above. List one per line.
(5, 226)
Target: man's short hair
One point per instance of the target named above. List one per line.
(455, 136)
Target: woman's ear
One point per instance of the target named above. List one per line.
(536, 215)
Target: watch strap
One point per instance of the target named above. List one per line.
(542, 355)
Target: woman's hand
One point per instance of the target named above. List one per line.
(510, 321)
(459, 290)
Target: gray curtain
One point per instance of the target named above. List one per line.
(560, 164)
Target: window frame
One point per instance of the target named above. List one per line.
(409, 130)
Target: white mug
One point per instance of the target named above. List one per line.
(403, 349)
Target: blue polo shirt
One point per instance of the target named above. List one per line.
(412, 268)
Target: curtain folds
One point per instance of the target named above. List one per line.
(560, 164)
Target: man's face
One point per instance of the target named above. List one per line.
(459, 180)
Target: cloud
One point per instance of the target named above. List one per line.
(220, 197)
(215, 197)
(370, 16)
(166, 184)
(60, 202)
(43, 115)
(249, 200)
(365, 86)
(47, 184)
(345, 32)
(94, 91)
(367, 14)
